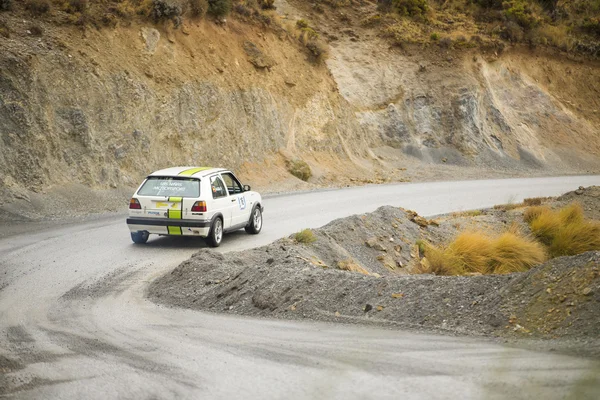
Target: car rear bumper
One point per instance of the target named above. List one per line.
(176, 227)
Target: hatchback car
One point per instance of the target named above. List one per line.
(193, 201)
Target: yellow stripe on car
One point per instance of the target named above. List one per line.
(174, 230)
(192, 171)
(174, 214)
(176, 199)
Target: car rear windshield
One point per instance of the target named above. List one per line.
(170, 186)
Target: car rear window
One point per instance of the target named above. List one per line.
(170, 186)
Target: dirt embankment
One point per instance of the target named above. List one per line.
(364, 269)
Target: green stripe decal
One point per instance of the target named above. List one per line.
(174, 230)
(176, 199)
(192, 171)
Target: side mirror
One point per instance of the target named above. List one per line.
(246, 188)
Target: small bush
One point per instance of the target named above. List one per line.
(520, 12)
(36, 30)
(37, 7)
(6, 5)
(219, 8)
(266, 4)
(198, 8)
(410, 8)
(565, 232)
(162, 10)
(446, 42)
(301, 24)
(305, 236)
(435, 36)
(317, 49)
(79, 6)
(475, 252)
(299, 169)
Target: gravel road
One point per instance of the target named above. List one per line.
(104, 339)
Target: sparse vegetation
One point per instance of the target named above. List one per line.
(198, 8)
(163, 10)
(5, 5)
(305, 236)
(565, 232)
(300, 169)
(37, 7)
(219, 8)
(476, 252)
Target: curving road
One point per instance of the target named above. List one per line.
(74, 322)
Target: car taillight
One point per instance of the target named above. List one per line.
(199, 206)
(134, 204)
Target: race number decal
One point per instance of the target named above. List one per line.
(242, 202)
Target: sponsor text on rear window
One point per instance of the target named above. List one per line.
(170, 186)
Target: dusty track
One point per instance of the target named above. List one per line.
(74, 322)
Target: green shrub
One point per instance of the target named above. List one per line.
(520, 12)
(162, 10)
(37, 7)
(79, 6)
(410, 8)
(299, 169)
(5, 5)
(305, 236)
(219, 8)
(198, 8)
(591, 25)
(266, 4)
(301, 24)
(435, 36)
(318, 51)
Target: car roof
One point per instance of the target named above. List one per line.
(196, 172)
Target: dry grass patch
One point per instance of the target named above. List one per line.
(352, 266)
(305, 236)
(476, 252)
(565, 232)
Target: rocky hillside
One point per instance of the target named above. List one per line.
(99, 93)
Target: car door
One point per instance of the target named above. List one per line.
(241, 212)
(221, 201)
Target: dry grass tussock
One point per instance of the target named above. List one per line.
(476, 252)
(305, 236)
(565, 232)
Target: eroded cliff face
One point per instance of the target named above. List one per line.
(516, 109)
(106, 107)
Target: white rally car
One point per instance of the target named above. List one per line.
(193, 201)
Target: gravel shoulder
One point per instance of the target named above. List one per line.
(361, 269)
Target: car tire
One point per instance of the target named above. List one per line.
(255, 224)
(140, 237)
(215, 235)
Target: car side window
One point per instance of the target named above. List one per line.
(233, 185)
(217, 187)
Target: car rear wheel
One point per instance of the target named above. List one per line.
(215, 236)
(140, 237)
(255, 224)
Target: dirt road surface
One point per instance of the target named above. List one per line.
(74, 321)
